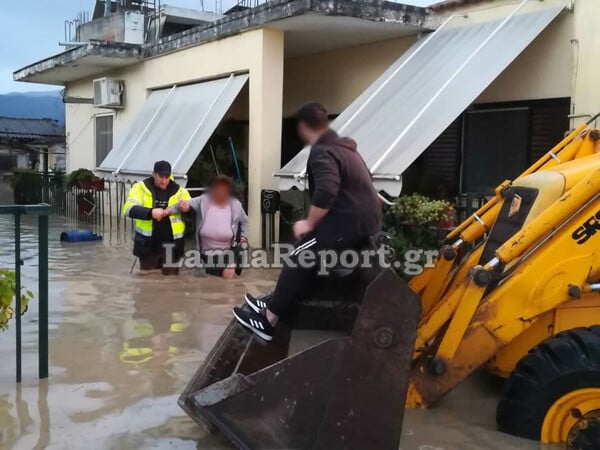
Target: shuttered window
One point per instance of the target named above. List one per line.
(104, 137)
(437, 171)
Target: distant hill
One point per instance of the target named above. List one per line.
(33, 105)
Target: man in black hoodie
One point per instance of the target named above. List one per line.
(344, 213)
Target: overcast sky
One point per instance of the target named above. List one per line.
(31, 29)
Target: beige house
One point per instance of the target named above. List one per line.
(455, 98)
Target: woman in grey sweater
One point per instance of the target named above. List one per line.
(221, 227)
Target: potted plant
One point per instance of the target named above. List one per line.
(417, 219)
(447, 217)
(417, 210)
(80, 178)
(98, 184)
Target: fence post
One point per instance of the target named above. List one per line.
(18, 291)
(43, 295)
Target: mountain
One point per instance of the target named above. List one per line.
(35, 105)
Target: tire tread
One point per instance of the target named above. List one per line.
(568, 361)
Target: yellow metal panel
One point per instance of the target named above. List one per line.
(578, 313)
(436, 284)
(460, 321)
(505, 361)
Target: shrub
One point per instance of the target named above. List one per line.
(7, 296)
(417, 209)
(412, 223)
(79, 177)
(27, 186)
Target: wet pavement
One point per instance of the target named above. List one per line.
(123, 346)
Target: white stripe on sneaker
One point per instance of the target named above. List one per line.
(259, 333)
(255, 307)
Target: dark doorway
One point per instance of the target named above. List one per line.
(496, 143)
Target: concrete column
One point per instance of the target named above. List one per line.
(586, 90)
(265, 115)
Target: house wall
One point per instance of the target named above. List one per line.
(553, 66)
(259, 52)
(337, 77)
(543, 70)
(586, 69)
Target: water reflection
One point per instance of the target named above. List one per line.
(122, 348)
(16, 421)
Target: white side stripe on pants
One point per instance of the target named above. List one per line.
(304, 246)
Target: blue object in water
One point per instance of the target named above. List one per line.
(79, 236)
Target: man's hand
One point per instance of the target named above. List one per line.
(184, 205)
(302, 228)
(159, 214)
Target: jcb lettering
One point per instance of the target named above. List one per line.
(588, 229)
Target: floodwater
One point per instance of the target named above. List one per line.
(123, 346)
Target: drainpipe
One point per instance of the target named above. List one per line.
(107, 7)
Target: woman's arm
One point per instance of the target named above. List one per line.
(193, 203)
(244, 225)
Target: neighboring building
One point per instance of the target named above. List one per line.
(24, 144)
(468, 105)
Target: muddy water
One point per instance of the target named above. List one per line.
(123, 347)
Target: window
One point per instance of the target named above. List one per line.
(496, 145)
(104, 137)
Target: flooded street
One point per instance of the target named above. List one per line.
(123, 347)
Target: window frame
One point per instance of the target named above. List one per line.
(112, 131)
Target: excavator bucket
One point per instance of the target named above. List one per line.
(347, 392)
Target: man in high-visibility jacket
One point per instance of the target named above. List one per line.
(150, 203)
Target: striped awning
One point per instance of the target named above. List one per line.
(423, 92)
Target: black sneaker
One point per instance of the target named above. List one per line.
(257, 323)
(256, 304)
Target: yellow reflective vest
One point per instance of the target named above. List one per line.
(141, 195)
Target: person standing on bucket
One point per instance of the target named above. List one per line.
(345, 212)
(151, 203)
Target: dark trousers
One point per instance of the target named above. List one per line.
(295, 282)
(156, 258)
(215, 264)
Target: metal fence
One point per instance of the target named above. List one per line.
(42, 211)
(98, 204)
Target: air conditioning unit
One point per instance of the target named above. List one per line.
(108, 93)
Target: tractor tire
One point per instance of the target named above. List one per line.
(559, 365)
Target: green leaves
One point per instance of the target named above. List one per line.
(7, 296)
(417, 209)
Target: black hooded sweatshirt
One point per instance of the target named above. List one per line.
(339, 180)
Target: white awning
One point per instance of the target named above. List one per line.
(173, 125)
(419, 96)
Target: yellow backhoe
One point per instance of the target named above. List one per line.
(516, 290)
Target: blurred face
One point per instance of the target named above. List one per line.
(220, 193)
(306, 134)
(161, 182)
